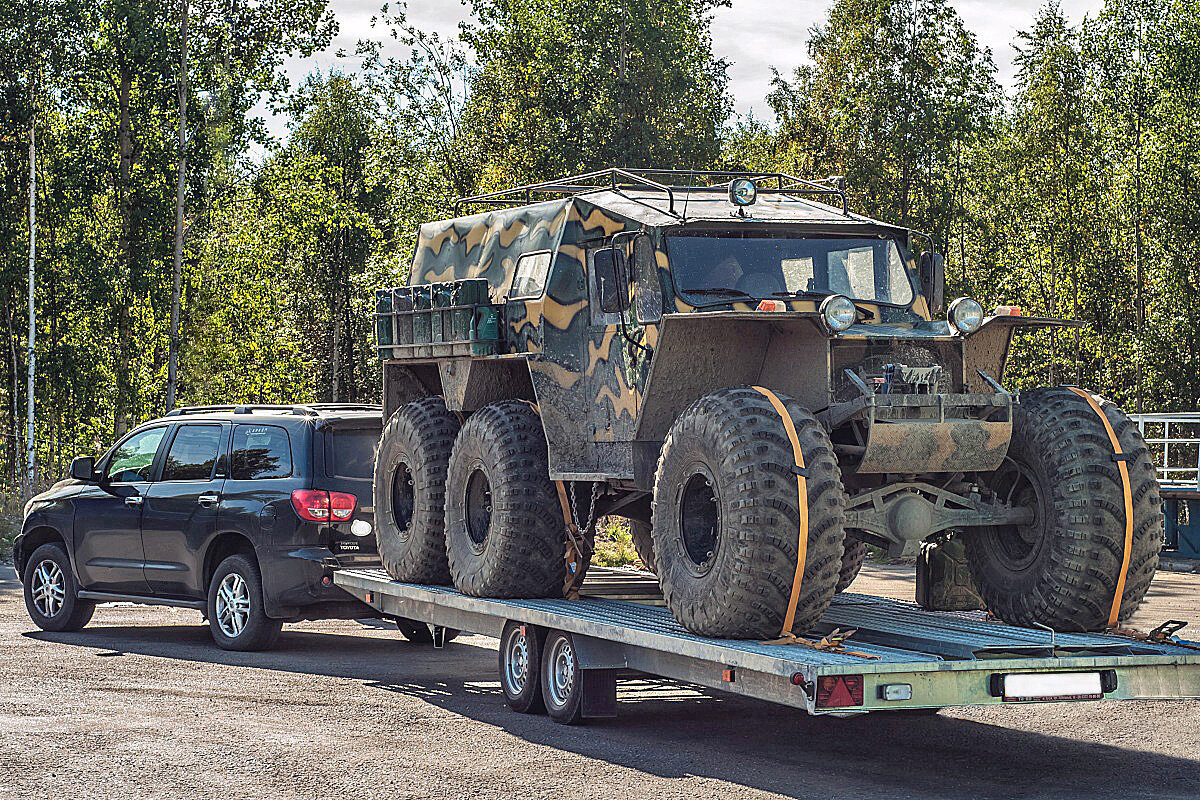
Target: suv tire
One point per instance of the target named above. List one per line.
(1062, 570)
(504, 528)
(410, 491)
(50, 591)
(726, 517)
(235, 607)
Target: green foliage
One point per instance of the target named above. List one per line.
(614, 544)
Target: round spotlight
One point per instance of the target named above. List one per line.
(965, 315)
(838, 312)
(743, 191)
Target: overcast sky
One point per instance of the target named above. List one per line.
(754, 35)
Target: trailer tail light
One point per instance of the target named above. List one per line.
(318, 505)
(341, 505)
(839, 691)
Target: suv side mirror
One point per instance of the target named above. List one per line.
(932, 271)
(83, 468)
(611, 281)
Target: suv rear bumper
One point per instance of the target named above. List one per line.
(301, 578)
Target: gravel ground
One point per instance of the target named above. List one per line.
(142, 705)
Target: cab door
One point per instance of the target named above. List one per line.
(179, 514)
(108, 516)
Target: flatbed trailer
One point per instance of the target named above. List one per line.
(899, 657)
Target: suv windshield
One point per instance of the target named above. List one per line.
(709, 267)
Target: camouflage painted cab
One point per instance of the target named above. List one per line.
(757, 380)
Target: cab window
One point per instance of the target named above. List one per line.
(193, 453)
(530, 277)
(133, 460)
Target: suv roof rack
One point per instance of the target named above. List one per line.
(305, 410)
(662, 180)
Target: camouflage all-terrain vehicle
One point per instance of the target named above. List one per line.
(757, 380)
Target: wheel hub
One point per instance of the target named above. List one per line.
(48, 587)
(699, 519)
(516, 671)
(562, 673)
(479, 507)
(233, 605)
(403, 498)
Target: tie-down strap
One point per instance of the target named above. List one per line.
(789, 428)
(1120, 457)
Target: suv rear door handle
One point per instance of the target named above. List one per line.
(208, 500)
(133, 500)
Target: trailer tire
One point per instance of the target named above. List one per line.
(643, 542)
(504, 528)
(1062, 570)
(726, 517)
(410, 491)
(852, 562)
(562, 679)
(521, 667)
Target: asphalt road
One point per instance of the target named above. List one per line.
(142, 705)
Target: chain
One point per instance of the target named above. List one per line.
(574, 508)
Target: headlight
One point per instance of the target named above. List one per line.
(742, 191)
(965, 315)
(839, 312)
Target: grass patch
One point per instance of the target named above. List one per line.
(614, 544)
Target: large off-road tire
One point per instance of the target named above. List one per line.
(410, 491)
(1063, 569)
(50, 591)
(852, 561)
(505, 535)
(643, 542)
(726, 517)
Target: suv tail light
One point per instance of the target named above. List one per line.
(318, 505)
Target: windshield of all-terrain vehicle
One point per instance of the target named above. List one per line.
(709, 268)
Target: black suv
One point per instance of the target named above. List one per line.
(241, 512)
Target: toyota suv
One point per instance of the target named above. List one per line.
(241, 512)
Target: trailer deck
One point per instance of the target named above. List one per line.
(899, 657)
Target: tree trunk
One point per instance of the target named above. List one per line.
(181, 186)
(124, 371)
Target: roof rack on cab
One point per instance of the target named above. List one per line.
(668, 181)
(307, 410)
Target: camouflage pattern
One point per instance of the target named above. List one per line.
(591, 383)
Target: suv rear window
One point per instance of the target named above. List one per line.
(350, 452)
(260, 452)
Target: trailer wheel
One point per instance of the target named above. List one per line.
(504, 527)
(562, 679)
(643, 542)
(410, 491)
(726, 517)
(1062, 570)
(852, 561)
(521, 667)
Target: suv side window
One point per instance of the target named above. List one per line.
(193, 453)
(260, 452)
(133, 461)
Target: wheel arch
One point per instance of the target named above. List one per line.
(33, 539)
(222, 547)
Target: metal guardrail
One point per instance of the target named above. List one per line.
(1174, 441)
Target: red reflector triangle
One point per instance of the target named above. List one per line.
(840, 696)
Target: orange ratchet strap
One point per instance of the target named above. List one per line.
(789, 427)
(578, 552)
(1120, 457)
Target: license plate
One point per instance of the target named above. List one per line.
(1027, 687)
